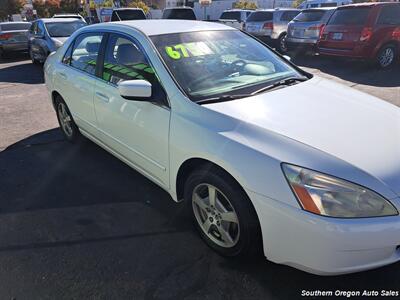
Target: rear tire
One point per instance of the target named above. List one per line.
(65, 120)
(228, 224)
(281, 44)
(386, 56)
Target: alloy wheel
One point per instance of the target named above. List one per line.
(386, 57)
(215, 215)
(65, 119)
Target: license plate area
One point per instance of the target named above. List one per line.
(337, 36)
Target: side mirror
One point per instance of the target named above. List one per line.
(137, 90)
(287, 57)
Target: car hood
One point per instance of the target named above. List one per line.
(355, 127)
(59, 41)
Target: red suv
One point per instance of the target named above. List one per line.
(367, 30)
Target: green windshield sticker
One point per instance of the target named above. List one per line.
(182, 50)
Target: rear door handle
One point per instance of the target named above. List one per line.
(102, 97)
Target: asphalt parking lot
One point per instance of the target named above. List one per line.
(76, 223)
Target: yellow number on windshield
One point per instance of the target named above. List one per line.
(174, 53)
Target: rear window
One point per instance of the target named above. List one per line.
(17, 26)
(289, 15)
(123, 15)
(231, 15)
(310, 16)
(183, 14)
(350, 16)
(259, 16)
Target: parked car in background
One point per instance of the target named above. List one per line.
(305, 29)
(13, 36)
(270, 26)
(47, 35)
(235, 18)
(368, 31)
(125, 14)
(323, 3)
(69, 16)
(183, 13)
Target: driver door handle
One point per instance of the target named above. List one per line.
(102, 97)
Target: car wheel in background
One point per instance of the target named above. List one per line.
(34, 61)
(223, 214)
(67, 123)
(386, 56)
(281, 46)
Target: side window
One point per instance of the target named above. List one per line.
(390, 15)
(85, 52)
(289, 15)
(125, 61)
(68, 55)
(114, 16)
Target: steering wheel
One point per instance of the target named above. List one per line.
(238, 65)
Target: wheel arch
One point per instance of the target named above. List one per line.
(54, 95)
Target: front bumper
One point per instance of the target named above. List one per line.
(323, 245)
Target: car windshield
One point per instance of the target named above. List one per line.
(14, 26)
(129, 14)
(215, 63)
(181, 14)
(260, 16)
(230, 15)
(63, 29)
(350, 16)
(309, 16)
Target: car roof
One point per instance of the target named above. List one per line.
(277, 9)
(127, 8)
(366, 4)
(59, 20)
(238, 9)
(164, 26)
(319, 8)
(20, 22)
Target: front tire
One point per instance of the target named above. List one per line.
(386, 56)
(65, 120)
(34, 61)
(223, 214)
(281, 44)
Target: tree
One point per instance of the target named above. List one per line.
(296, 3)
(70, 6)
(139, 4)
(244, 4)
(46, 8)
(9, 7)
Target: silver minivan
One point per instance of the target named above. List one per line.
(305, 29)
(270, 25)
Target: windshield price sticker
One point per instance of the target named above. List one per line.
(188, 50)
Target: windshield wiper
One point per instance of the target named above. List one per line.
(286, 81)
(222, 98)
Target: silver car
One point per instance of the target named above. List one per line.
(47, 35)
(13, 36)
(270, 25)
(305, 29)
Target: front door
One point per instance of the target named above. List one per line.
(136, 130)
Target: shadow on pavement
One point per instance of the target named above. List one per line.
(55, 195)
(14, 57)
(359, 72)
(32, 74)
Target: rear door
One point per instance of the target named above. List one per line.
(345, 26)
(75, 79)
(387, 25)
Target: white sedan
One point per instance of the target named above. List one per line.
(268, 157)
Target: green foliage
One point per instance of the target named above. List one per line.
(243, 4)
(296, 3)
(9, 7)
(70, 6)
(139, 4)
(46, 9)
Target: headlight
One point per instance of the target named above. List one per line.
(329, 196)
